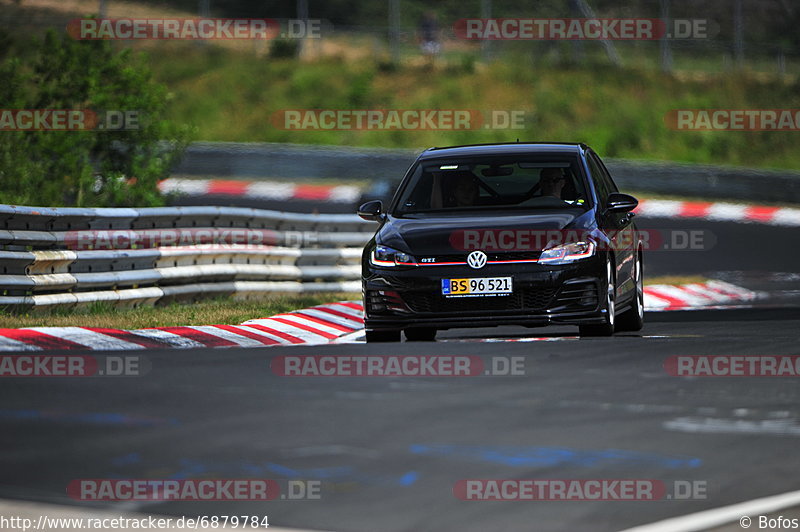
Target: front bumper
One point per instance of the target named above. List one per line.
(542, 295)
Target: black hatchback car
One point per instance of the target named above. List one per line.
(503, 234)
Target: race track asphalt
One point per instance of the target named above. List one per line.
(389, 450)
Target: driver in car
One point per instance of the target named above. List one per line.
(463, 190)
(551, 187)
(552, 182)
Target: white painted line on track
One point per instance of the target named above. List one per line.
(724, 515)
(522, 339)
(351, 338)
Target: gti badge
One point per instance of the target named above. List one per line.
(476, 259)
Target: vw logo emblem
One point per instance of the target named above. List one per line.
(476, 259)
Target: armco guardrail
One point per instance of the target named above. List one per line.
(129, 257)
(298, 162)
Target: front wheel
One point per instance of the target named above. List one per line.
(607, 328)
(382, 336)
(633, 318)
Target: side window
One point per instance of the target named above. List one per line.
(599, 179)
(612, 187)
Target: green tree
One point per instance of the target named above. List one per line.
(95, 167)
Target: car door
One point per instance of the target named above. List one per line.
(618, 225)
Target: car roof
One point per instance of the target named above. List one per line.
(505, 148)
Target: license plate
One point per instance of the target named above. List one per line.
(476, 286)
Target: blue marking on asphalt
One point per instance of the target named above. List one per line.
(409, 478)
(190, 468)
(128, 459)
(90, 418)
(549, 456)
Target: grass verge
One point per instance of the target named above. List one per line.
(233, 96)
(231, 90)
(212, 312)
(674, 279)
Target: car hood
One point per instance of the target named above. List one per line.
(442, 234)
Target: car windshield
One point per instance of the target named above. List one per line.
(497, 183)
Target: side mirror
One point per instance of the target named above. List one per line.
(618, 202)
(371, 210)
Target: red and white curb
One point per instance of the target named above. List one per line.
(317, 325)
(268, 190)
(695, 296)
(720, 212)
(341, 322)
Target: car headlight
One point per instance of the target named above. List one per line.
(567, 252)
(388, 257)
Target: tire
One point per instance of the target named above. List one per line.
(420, 335)
(633, 318)
(382, 336)
(607, 328)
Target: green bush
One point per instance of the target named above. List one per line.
(284, 48)
(92, 167)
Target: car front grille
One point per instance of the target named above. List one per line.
(527, 299)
